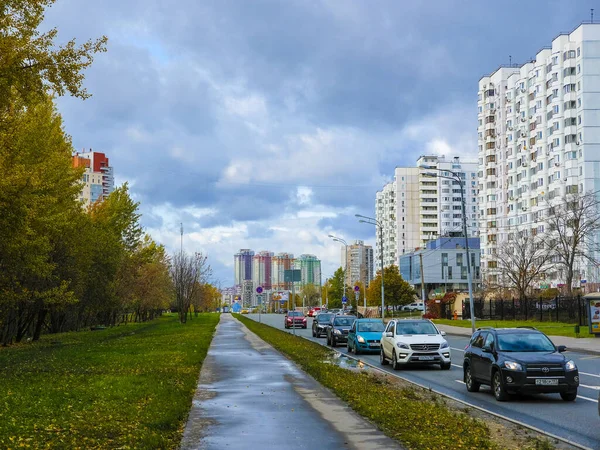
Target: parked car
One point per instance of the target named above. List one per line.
(415, 341)
(335, 311)
(338, 328)
(295, 319)
(244, 311)
(513, 360)
(365, 336)
(319, 326)
(312, 312)
(416, 306)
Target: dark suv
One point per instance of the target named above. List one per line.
(338, 328)
(320, 322)
(518, 360)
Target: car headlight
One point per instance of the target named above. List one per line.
(360, 339)
(512, 365)
(336, 331)
(444, 344)
(570, 365)
(402, 345)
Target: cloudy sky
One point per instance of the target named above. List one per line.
(267, 124)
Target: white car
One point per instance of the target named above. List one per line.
(415, 341)
(417, 306)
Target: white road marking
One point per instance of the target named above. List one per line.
(456, 365)
(596, 388)
(591, 357)
(460, 381)
(457, 349)
(589, 374)
(588, 399)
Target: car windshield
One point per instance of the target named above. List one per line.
(370, 327)
(524, 342)
(416, 328)
(324, 317)
(343, 321)
(295, 313)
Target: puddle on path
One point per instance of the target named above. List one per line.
(346, 363)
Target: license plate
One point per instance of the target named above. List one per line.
(546, 381)
(426, 358)
(373, 345)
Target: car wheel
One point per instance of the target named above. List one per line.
(472, 385)
(498, 387)
(395, 364)
(446, 366)
(328, 340)
(356, 350)
(382, 360)
(333, 341)
(348, 348)
(304, 327)
(314, 334)
(568, 396)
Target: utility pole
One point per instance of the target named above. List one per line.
(423, 284)
(381, 257)
(181, 240)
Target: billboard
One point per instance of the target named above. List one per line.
(281, 296)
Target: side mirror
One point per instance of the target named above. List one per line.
(389, 334)
(562, 348)
(443, 333)
(486, 350)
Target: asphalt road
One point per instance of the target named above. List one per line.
(578, 421)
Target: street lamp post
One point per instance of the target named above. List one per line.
(378, 224)
(341, 241)
(456, 177)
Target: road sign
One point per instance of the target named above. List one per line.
(344, 299)
(356, 294)
(290, 275)
(356, 288)
(259, 290)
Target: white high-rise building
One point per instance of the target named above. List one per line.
(423, 203)
(539, 139)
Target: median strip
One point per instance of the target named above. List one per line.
(418, 418)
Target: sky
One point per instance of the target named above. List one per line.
(268, 124)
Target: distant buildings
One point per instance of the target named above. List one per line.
(267, 270)
(98, 176)
(359, 263)
(422, 204)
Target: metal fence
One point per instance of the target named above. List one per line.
(559, 309)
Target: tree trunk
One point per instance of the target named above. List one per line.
(41, 317)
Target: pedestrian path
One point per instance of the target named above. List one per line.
(250, 396)
(587, 345)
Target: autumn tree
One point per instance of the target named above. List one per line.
(523, 260)
(396, 290)
(32, 65)
(335, 290)
(188, 273)
(574, 227)
(311, 294)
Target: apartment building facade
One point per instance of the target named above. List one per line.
(539, 140)
(358, 261)
(425, 202)
(98, 176)
(262, 269)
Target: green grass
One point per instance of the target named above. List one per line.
(550, 328)
(124, 387)
(418, 420)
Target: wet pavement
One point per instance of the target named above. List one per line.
(251, 397)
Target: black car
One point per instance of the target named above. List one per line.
(518, 360)
(338, 328)
(319, 326)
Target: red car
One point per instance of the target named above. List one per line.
(314, 311)
(295, 319)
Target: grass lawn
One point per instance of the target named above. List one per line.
(405, 414)
(125, 387)
(550, 328)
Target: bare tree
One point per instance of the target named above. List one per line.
(574, 226)
(188, 273)
(522, 260)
